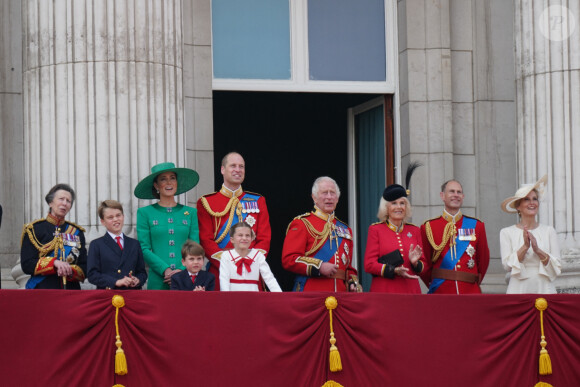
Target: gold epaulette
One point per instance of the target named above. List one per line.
(429, 220)
(76, 225)
(252, 193)
(218, 255)
(298, 217)
(410, 224)
(346, 224)
(209, 194)
(29, 226)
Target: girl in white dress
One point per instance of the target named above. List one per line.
(241, 267)
(529, 250)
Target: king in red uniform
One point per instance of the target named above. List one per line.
(455, 247)
(318, 247)
(219, 211)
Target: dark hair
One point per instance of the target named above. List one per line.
(191, 248)
(113, 204)
(61, 186)
(444, 185)
(225, 158)
(154, 190)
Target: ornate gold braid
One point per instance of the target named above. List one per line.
(231, 207)
(54, 245)
(448, 232)
(319, 236)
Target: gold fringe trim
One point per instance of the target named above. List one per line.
(332, 383)
(335, 362)
(545, 362)
(543, 384)
(120, 359)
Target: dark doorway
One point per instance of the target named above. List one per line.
(287, 141)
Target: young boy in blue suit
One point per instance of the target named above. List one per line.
(115, 261)
(193, 277)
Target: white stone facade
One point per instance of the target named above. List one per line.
(137, 81)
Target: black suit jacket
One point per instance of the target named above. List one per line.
(107, 263)
(181, 281)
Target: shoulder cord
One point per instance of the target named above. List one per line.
(319, 236)
(448, 233)
(233, 206)
(54, 245)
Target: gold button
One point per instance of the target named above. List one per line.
(119, 271)
(459, 266)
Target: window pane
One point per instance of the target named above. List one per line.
(251, 39)
(346, 40)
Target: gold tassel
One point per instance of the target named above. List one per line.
(120, 359)
(118, 385)
(335, 362)
(542, 384)
(545, 362)
(332, 383)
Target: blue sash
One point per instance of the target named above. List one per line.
(246, 198)
(325, 253)
(448, 262)
(36, 279)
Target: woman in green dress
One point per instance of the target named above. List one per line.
(163, 227)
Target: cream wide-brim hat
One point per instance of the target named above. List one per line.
(508, 205)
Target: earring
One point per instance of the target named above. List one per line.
(157, 191)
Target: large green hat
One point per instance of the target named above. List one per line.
(186, 180)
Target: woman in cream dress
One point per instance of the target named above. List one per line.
(529, 250)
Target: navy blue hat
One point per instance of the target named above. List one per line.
(394, 192)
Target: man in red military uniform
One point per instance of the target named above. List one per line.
(318, 247)
(219, 211)
(455, 247)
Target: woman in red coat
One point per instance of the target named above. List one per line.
(394, 255)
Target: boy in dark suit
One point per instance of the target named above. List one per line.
(115, 261)
(193, 278)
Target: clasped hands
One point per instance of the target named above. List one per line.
(415, 253)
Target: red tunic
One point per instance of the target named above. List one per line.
(211, 222)
(299, 240)
(480, 256)
(382, 240)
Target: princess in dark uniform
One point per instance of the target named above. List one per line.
(53, 250)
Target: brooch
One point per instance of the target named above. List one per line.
(186, 213)
(250, 220)
(470, 250)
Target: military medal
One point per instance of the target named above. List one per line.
(470, 251)
(250, 220)
(466, 234)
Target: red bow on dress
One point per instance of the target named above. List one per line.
(247, 262)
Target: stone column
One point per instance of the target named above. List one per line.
(547, 40)
(102, 100)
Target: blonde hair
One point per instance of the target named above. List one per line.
(383, 213)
